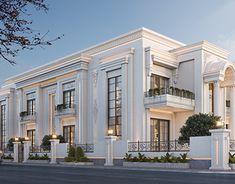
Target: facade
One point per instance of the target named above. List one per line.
(141, 86)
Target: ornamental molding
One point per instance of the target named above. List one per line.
(203, 45)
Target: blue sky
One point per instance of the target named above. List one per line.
(88, 22)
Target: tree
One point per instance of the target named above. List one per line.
(198, 125)
(46, 140)
(16, 33)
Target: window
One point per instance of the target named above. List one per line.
(159, 82)
(114, 105)
(211, 97)
(159, 130)
(69, 134)
(31, 104)
(3, 126)
(31, 136)
(68, 98)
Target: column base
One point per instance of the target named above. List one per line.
(225, 168)
(108, 164)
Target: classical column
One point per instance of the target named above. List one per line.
(232, 112)
(217, 98)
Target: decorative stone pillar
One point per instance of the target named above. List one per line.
(109, 150)
(220, 149)
(232, 113)
(216, 98)
(16, 151)
(54, 143)
(26, 150)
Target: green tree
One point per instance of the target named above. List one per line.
(46, 140)
(198, 125)
(16, 32)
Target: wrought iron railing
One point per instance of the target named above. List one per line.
(158, 146)
(232, 145)
(87, 148)
(40, 149)
(8, 149)
(170, 91)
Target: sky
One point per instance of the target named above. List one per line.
(88, 22)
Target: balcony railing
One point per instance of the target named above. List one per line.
(87, 148)
(40, 149)
(64, 109)
(25, 116)
(159, 146)
(170, 91)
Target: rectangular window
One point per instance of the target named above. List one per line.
(31, 104)
(68, 98)
(31, 136)
(114, 105)
(3, 126)
(211, 97)
(69, 134)
(159, 130)
(159, 82)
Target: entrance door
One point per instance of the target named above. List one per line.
(160, 133)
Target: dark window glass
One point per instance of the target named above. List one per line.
(69, 134)
(68, 98)
(114, 105)
(31, 107)
(3, 127)
(31, 136)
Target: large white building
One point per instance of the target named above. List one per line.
(142, 85)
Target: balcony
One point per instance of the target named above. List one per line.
(65, 110)
(26, 117)
(171, 99)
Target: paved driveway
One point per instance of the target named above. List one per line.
(19, 174)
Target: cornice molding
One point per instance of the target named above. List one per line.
(203, 45)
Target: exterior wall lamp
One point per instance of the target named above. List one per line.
(54, 136)
(110, 132)
(17, 139)
(26, 138)
(220, 124)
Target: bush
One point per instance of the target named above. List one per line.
(76, 155)
(69, 159)
(168, 158)
(79, 154)
(231, 158)
(198, 125)
(46, 140)
(7, 157)
(37, 157)
(71, 152)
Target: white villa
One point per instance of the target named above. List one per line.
(141, 86)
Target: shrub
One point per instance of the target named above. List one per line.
(76, 155)
(69, 159)
(198, 125)
(71, 152)
(7, 157)
(79, 154)
(37, 157)
(231, 158)
(46, 140)
(168, 158)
